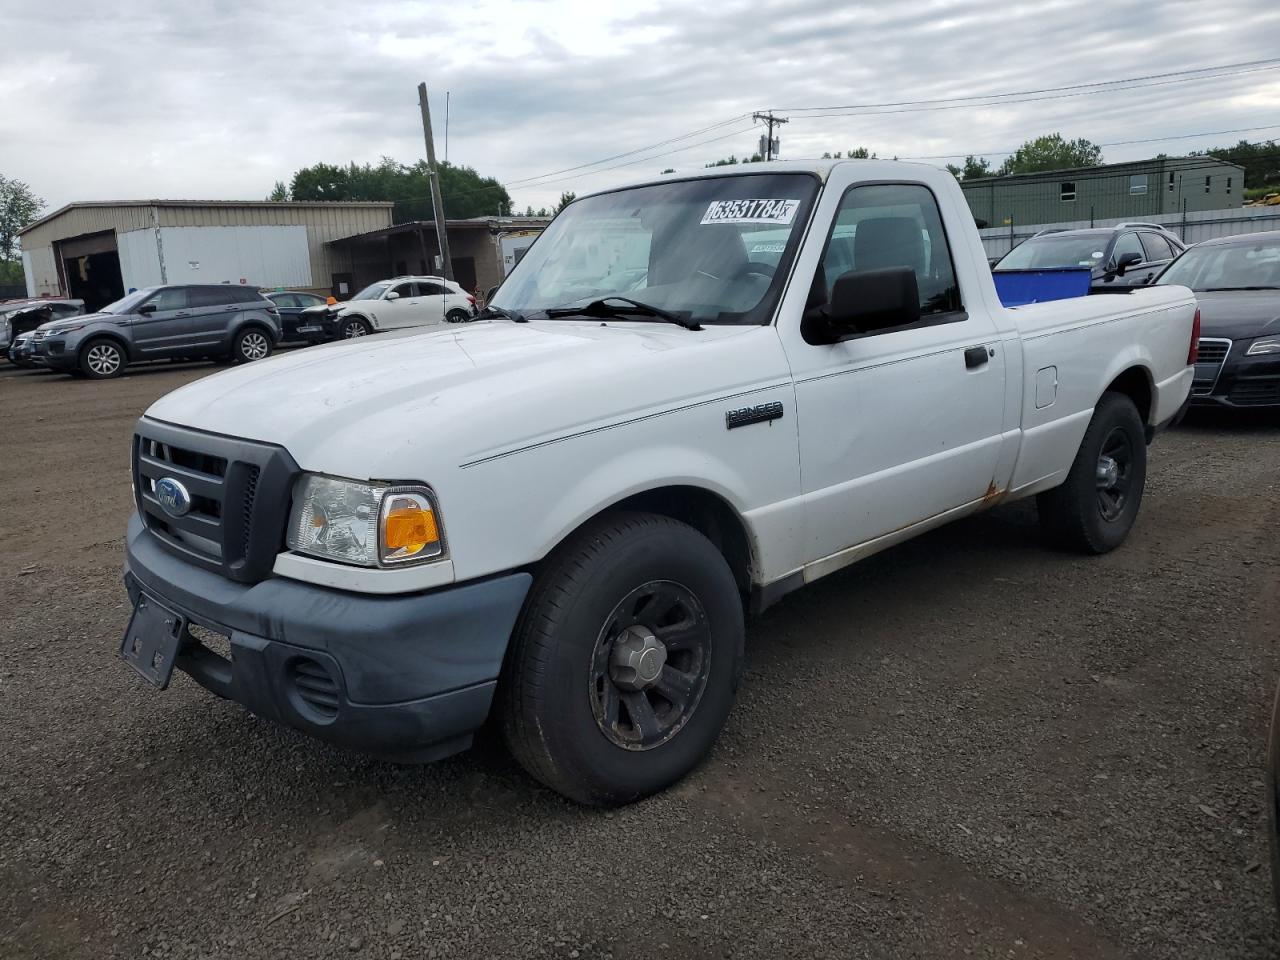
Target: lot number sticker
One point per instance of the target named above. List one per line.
(751, 211)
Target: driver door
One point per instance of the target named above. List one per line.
(403, 310)
(161, 324)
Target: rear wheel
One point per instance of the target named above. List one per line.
(102, 359)
(251, 344)
(625, 662)
(354, 327)
(1096, 506)
(457, 316)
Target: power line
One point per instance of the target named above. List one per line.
(1101, 86)
(1113, 143)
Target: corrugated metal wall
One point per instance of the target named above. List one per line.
(139, 261)
(319, 221)
(1203, 225)
(262, 256)
(41, 272)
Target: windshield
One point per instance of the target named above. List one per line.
(711, 251)
(373, 291)
(1227, 266)
(128, 302)
(1057, 251)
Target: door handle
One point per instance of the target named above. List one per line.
(183, 313)
(975, 357)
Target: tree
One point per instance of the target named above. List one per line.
(1261, 161)
(974, 168)
(19, 208)
(1051, 152)
(566, 198)
(279, 193)
(464, 192)
(857, 153)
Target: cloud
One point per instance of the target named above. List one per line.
(220, 98)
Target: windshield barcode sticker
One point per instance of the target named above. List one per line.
(751, 211)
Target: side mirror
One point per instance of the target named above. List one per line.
(863, 301)
(1126, 261)
(147, 309)
(392, 296)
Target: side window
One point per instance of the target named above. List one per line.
(894, 225)
(308, 300)
(431, 290)
(170, 298)
(65, 310)
(1128, 243)
(210, 296)
(404, 289)
(286, 300)
(1157, 247)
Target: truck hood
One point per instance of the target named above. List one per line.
(1239, 314)
(378, 407)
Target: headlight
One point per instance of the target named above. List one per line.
(372, 525)
(1266, 345)
(57, 331)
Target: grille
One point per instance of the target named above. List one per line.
(239, 491)
(1211, 355)
(1256, 393)
(314, 687)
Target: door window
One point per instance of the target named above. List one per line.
(209, 297)
(404, 289)
(170, 298)
(1157, 247)
(431, 290)
(286, 300)
(1128, 243)
(894, 225)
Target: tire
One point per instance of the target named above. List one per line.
(251, 343)
(1096, 506)
(569, 686)
(354, 327)
(102, 359)
(457, 316)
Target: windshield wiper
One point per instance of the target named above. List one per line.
(492, 311)
(604, 309)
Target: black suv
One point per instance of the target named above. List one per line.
(188, 322)
(1127, 255)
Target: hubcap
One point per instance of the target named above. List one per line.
(253, 346)
(103, 359)
(650, 665)
(1114, 474)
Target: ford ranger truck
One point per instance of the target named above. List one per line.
(689, 398)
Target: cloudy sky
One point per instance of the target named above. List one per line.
(218, 99)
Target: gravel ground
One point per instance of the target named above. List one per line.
(967, 746)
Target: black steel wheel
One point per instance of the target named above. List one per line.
(650, 665)
(624, 664)
(457, 316)
(1096, 506)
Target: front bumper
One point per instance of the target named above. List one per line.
(409, 676)
(1244, 381)
(53, 352)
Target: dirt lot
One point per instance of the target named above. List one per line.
(968, 746)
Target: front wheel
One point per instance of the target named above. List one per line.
(1096, 506)
(625, 662)
(102, 359)
(354, 327)
(457, 316)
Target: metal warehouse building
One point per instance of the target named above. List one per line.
(97, 251)
(1145, 188)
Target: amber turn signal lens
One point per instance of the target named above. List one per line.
(410, 529)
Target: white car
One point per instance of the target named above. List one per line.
(398, 303)
(559, 514)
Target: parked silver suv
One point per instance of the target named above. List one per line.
(218, 321)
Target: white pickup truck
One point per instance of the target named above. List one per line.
(691, 397)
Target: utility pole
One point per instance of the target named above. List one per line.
(437, 205)
(771, 120)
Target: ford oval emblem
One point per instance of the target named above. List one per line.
(173, 497)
